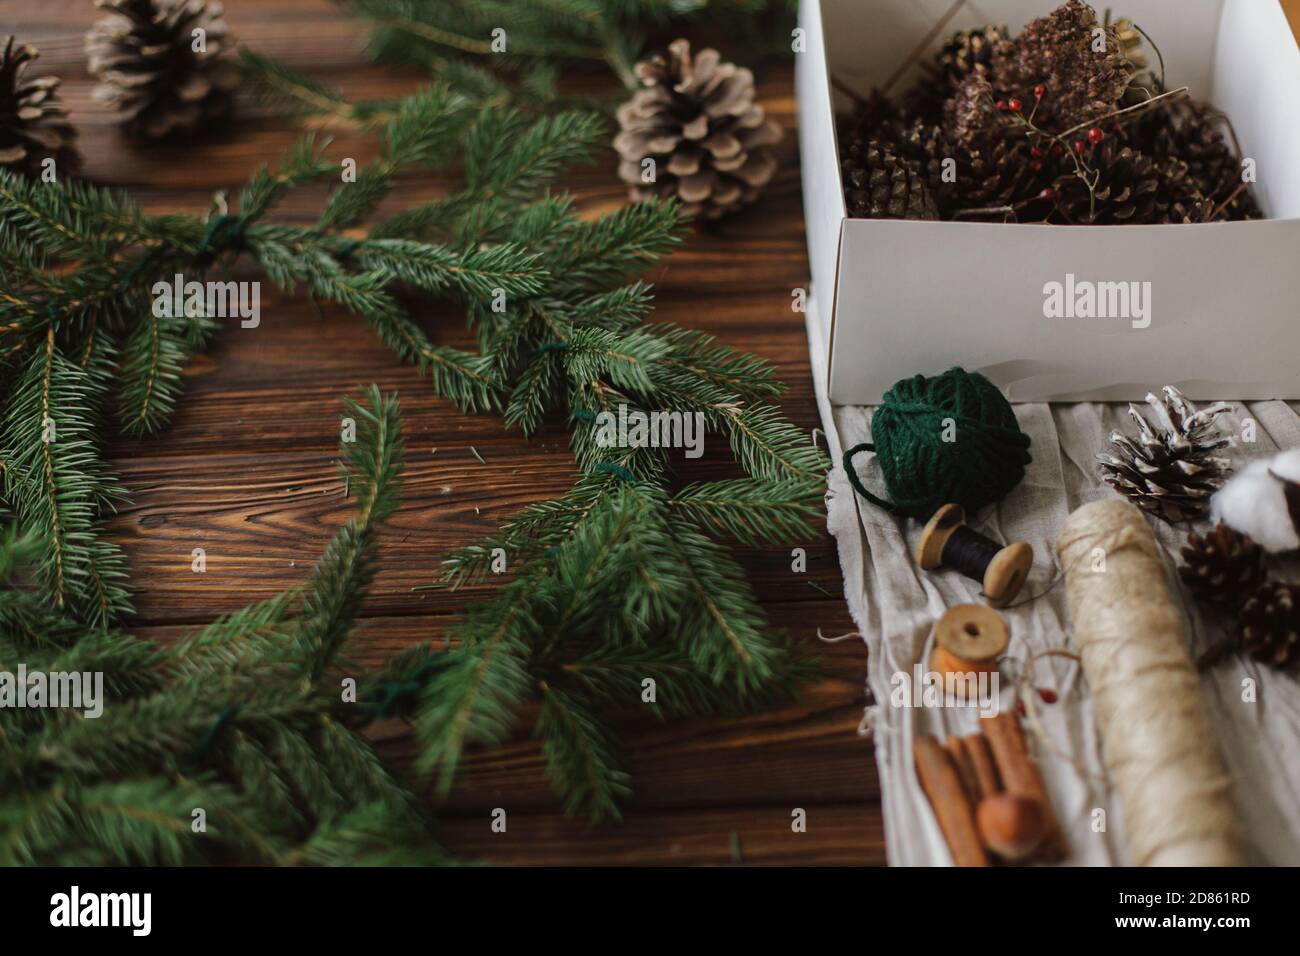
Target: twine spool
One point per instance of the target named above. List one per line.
(1000, 570)
(1158, 746)
(969, 639)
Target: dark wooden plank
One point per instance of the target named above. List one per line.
(247, 472)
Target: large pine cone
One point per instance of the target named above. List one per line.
(1005, 173)
(143, 55)
(880, 183)
(33, 124)
(1170, 469)
(1125, 190)
(1269, 625)
(1224, 567)
(1058, 51)
(1191, 132)
(697, 120)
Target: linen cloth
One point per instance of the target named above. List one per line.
(895, 606)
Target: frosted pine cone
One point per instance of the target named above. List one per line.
(695, 133)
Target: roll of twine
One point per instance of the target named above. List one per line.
(947, 438)
(1158, 746)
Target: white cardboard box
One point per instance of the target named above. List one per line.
(898, 298)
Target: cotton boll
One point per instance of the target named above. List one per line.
(1255, 502)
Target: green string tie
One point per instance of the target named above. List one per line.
(214, 729)
(610, 468)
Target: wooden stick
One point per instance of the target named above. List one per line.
(965, 770)
(981, 761)
(1020, 776)
(943, 788)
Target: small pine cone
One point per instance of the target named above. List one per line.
(1082, 83)
(143, 55)
(879, 183)
(971, 113)
(1269, 625)
(697, 120)
(33, 124)
(970, 51)
(1130, 40)
(1170, 469)
(1224, 567)
(1125, 190)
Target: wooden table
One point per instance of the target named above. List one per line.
(247, 473)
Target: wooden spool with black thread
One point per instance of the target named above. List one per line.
(948, 542)
(969, 638)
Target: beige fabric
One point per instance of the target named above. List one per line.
(895, 606)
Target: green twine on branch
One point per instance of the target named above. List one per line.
(214, 729)
(613, 469)
(952, 438)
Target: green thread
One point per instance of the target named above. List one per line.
(210, 735)
(952, 438)
(393, 695)
(583, 415)
(610, 468)
(551, 347)
(347, 250)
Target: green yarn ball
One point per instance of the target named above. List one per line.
(983, 458)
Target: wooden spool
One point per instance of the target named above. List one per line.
(969, 638)
(1005, 574)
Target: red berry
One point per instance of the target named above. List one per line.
(1048, 695)
(1015, 105)
(1036, 165)
(1058, 149)
(1049, 194)
(1020, 707)
(1001, 104)
(1040, 91)
(1095, 136)
(1080, 146)
(1035, 152)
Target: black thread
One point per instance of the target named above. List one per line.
(969, 552)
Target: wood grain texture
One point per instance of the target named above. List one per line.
(247, 472)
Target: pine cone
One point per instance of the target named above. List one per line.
(33, 127)
(969, 51)
(1224, 567)
(1125, 191)
(1003, 173)
(697, 119)
(1268, 628)
(924, 144)
(1082, 84)
(1130, 40)
(1170, 469)
(1191, 132)
(143, 55)
(970, 114)
(879, 183)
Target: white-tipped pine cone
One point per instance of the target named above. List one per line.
(695, 132)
